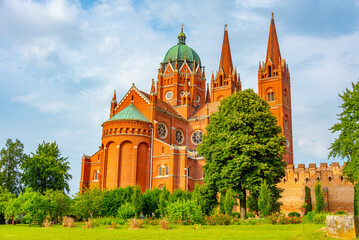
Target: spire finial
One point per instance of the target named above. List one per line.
(272, 15)
(225, 27)
(182, 26)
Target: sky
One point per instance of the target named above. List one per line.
(61, 60)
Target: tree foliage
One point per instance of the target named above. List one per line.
(319, 198)
(88, 204)
(205, 197)
(356, 199)
(308, 207)
(229, 201)
(11, 158)
(46, 169)
(346, 145)
(137, 201)
(59, 204)
(243, 145)
(265, 199)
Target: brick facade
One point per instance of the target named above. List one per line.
(150, 139)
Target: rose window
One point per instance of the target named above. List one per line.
(162, 130)
(197, 137)
(179, 136)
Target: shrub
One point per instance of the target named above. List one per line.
(293, 214)
(308, 207)
(317, 218)
(229, 201)
(151, 221)
(319, 198)
(137, 201)
(162, 202)
(126, 211)
(219, 219)
(205, 197)
(150, 200)
(46, 223)
(340, 213)
(164, 224)
(68, 222)
(184, 211)
(356, 199)
(250, 215)
(88, 224)
(280, 218)
(265, 199)
(135, 223)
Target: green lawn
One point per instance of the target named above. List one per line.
(252, 232)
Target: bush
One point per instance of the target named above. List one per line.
(126, 211)
(164, 224)
(317, 218)
(151, 221)
(308, 207)
(184, 211)
(293, 214)
(319, 198)
(46, 223)
(68, 222)
(137, 201)
(219, 219)
(108, 221)
(229, 201)
(356, 199)
(280, 218)
(340, 213)
(88, 224)
(135, 223)
(265, 199)
(250, 215)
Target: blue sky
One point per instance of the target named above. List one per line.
(60, 61)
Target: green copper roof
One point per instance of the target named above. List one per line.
(130, 113)
(181, 51)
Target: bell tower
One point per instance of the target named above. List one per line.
(274, 87)
(226, 80)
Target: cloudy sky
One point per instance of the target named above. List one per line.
(60, 61)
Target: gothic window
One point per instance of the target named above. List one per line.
(270, 96)
(286, 121)
(162, 130)
(179, 136)
(285, 96)
(160, 171)
(197, 137)
(163, 150)
(95, 176)
(166, 170)
(269, 71)
(188, 172)
(181, 94)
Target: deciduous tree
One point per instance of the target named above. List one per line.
(11, 158)
(243, 146)
(46, 169)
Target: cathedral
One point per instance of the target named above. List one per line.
(150, 139)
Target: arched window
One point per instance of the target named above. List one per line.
(166, 170)
(272, 96)
(95, 176)
(285, 96)
(188, 172)
(132, 98)
(269, 71)
(163, 150)
(220, 80)
(286, 125)
(160, 171)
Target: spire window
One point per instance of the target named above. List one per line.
(270, 96)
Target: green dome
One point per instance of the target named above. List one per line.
(130, 113)
(181, 51)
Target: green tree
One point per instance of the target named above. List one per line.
(308, 207)
(115, 198)
(356, 200)
(163, 200)
(265, 199)
(319, 198)
(205, 197)
(229, 201)
(346, 145)
(5, 197)
(243, 145)
(46, 169)
(150, 201)
(137, 201)
(11, 158)
(59, 204)
(88, 204)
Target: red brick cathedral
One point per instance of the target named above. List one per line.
(150, 139)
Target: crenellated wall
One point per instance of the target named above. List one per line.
(338, 193)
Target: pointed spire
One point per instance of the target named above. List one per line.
(208, 97)
(226, 58)
(181, 36)
(273, 51)
(114, 96)
(153, 88)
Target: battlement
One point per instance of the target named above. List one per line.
(312, 172)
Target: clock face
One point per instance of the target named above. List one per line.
(169, 95)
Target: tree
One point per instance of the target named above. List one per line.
(265, 199)
(5, 197)
(46, 169)
(308, 207)
(11, 159)
(59, 204)
(163, 200)
(205, 197)
(346, 145)
(356, 200)
(243, 146)
(319, 198)
(88, 204)
(150, 201)
(229, 201)
(137, 201)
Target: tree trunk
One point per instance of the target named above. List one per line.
(243, 205)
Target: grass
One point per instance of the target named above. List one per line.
(252, 232)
